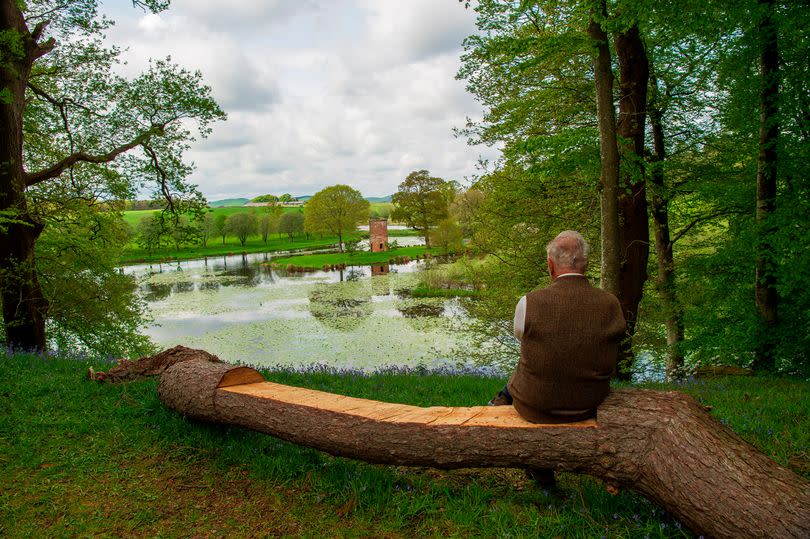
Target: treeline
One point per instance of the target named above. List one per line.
(676, 136)
(160, 230)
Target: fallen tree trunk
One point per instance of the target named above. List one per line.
(661, 444)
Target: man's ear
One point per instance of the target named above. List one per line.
(550, 266)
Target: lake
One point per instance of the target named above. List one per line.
(241, 310)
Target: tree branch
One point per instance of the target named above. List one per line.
(59, 167)
(164, 188)
(681, 233)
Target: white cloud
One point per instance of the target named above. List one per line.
(349, 91)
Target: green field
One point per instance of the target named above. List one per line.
(132, 217)
(84, 459)
(216, 247)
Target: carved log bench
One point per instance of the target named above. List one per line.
(662, 444)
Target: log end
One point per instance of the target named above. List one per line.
(190, 387)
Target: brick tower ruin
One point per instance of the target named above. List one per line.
(378, 234)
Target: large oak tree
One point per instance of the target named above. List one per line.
(422, 200)
(335, 210)
(72, 128)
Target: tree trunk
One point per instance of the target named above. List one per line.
(662, 444)
(766, 295)
(24, 306)
(673, 313)
(634, 232)
(609, 159)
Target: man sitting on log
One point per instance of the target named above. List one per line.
(569, 338)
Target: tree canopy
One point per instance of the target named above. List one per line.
(74, 135)
(336, 210)
(422, 200)
(710, 130)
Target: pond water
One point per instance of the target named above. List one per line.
(243, 311)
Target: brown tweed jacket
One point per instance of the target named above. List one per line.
(569, 349)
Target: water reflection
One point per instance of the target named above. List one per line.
(422, 309)
(155, 291)
(341, 306)
(243, 310)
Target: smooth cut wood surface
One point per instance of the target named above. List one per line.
(478, 416)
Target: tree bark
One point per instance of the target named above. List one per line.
(634, 232)
(767, 299)
(24, 307)
(609, 158)
(673, 312)
(662, 444)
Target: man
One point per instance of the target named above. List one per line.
(569, 338)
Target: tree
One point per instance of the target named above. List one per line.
(219, 226)
(93, 305)
(466, 209)
(286, 197)
(767, 298)
(421, 201)
(291, 223)
(608, 153)
(70, 127)
(335, 210)
(149, 232)
(206, 228)
(241, 225)
(265, 198)
(447, 235)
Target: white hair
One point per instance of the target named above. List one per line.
(569, 250)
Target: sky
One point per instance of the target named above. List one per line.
(317, 92)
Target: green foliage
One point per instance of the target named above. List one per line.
(291, 223)
(265, 198)
(317, 261)
(220, 226)
(336, 210)
(91, 136)
(531, 67)
(422, 200)
(447, 236)
(93, 306)
(242, 225)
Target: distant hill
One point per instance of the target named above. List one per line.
(228, 202)
(304, 198)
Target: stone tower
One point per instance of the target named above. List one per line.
(378, 234)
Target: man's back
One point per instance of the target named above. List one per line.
(568, 351)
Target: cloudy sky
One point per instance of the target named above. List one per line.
(317, 92)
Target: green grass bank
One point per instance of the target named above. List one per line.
(359, 258)
(82, 459)
(216, 246)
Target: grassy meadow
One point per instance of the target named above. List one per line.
(87, 459)
(133, 253)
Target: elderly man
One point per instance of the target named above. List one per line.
(569, 338)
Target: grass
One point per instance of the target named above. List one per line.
(86, 459)
(216, 247)
(132, 217)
